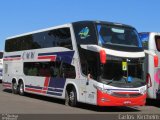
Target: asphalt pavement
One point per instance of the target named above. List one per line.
(36, 104)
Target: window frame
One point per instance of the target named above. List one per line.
(14, 44)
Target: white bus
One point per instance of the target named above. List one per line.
(1, 65)
(151, 44)
(94, 62)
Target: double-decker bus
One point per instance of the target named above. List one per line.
(151, 44)
(94, 62)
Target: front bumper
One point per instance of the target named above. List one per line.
(104, 99)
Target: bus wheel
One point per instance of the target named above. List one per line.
(14, 88)
(21, 88)
(71, 98)
(66, 98)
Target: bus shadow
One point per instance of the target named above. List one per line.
(45, 98)
(108, 109)
(7, 90)
(80, 105)
(38, 97)
(153, 102)
(85, 106)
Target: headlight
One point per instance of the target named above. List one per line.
(109, 92)
(103, 90)
(142, 90)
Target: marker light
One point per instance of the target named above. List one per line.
(102, 56)
(155, 61)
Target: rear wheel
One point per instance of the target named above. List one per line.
(21, 88)
(14, 88)
(71, 97)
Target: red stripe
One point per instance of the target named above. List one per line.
(46, 83)
(44, 92)
(52, 58)
(11, 59)
(33, 90)
(7, 85)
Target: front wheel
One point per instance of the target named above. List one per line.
(71, 97)
(14, 88)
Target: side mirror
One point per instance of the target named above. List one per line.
(88, 78)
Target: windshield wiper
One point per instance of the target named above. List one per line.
(110, 82)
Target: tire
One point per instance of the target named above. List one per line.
(21, 89)
(71, 97)
(66, 98)
(14, 88)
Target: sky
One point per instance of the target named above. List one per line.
(21, 16)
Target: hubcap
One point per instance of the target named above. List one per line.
(14, 86)
(71, 96)
(21, 88)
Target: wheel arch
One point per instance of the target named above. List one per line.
(21, 80)
(69, 85)
(14, 80)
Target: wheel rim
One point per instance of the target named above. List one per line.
(21, 88)
(71, 96)
(14, 86)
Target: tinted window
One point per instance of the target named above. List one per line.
(123, 72)
(118, 35)
(54, 38)
(144, 37)
(157, 39)
(85, 34)
(49, 69)
(1, 55)
(89, 62)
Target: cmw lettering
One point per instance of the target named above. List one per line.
(28, 55)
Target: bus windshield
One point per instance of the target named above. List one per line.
(118, 35)
(120, 72)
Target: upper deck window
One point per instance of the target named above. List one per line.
(118, 35)
(53, 38)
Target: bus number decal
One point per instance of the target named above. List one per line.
(28, 55)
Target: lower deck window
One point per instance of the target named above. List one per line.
(49, 69)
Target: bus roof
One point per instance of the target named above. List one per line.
(66, 25)
(37, 31)
(105, 22)
(156, 33)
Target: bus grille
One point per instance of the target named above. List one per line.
(126, 95)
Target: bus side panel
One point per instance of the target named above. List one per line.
(151, 93)
(11, 69)
(154, 71)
